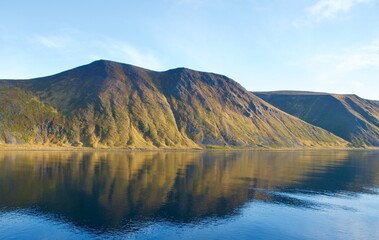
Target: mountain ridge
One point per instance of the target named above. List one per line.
(346, 115)
(110, 104)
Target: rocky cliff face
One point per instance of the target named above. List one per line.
(109, 104)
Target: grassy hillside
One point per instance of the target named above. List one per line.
(25, 119)
(109, 104)
(347, 116)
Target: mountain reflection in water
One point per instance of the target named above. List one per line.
(108, 190)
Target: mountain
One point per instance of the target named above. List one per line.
(348, 116)
(109, 104)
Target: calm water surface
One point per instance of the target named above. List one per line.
(189, 195)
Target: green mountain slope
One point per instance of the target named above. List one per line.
(109, 104)
(24, 118)
(347, 116)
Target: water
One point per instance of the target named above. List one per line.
(189, 195)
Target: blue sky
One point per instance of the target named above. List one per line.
(313, 45)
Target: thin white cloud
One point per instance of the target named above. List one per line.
(54, 42)
(70, 43)
(352, 71)
(323, 9)
(124, 52)
(360, 58)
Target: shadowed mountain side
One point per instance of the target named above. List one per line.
(347, 116)
(109, 104)
(215, 110)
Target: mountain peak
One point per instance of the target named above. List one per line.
(112, 104)
(102, 63)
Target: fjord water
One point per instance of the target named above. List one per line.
(190, 195)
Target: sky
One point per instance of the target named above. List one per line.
(312, 45)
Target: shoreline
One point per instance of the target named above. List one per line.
(23, 148)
